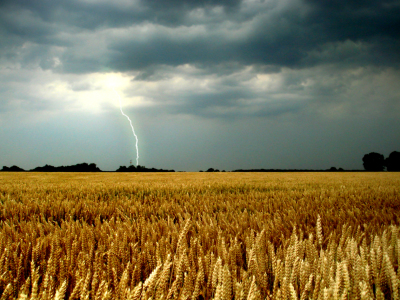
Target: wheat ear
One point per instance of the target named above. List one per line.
(7, 292)
(137, 291)
(60, 293)
(319, 230)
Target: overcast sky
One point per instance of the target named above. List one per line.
(306, 84)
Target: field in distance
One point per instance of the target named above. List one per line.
(199, 235)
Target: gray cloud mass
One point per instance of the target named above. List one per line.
(214, 62)
(281, 33)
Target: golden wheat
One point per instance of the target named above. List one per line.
(200, 236)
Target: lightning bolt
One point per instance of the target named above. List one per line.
(130, 122)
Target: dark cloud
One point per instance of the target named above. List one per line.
(353, 35)
(93, 14)
(356, 19)
(291, 34)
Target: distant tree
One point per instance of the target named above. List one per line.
(93, 168)
(373, 162)
(45, 168)
(393, 161)
(210, 170)
(340, 169)
(12, 169)
(121, 169)
(332, 169)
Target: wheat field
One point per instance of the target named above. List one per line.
(199, 236)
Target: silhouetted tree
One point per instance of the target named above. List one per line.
(132, 168)
(12, 169)
(121, 169)
(332, 169)
(210, 170)
(393, 161)
(373, 162)
(45, 168)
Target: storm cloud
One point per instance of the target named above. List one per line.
(281, 63)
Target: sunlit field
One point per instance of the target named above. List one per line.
(199, 235)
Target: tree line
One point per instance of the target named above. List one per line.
(372, 162)
(83, 167)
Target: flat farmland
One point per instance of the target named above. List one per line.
(199, 235)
